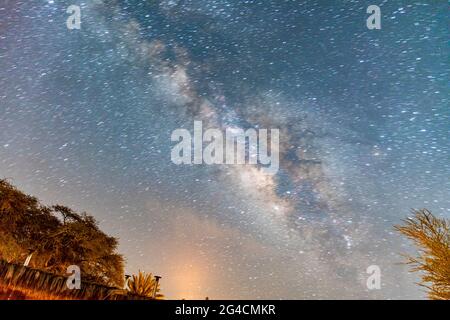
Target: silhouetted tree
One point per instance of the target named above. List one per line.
(57, 236)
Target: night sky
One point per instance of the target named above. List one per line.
(86, 118)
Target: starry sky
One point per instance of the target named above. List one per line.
(86, 118)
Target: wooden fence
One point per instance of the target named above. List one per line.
(19, 282)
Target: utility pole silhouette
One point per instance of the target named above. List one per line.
(155, 289)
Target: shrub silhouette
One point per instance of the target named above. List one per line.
(432, 236)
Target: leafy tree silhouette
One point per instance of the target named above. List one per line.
(58, 237)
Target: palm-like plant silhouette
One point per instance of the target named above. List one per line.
(144, 284)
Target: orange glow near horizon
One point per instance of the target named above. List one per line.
(190, 280)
